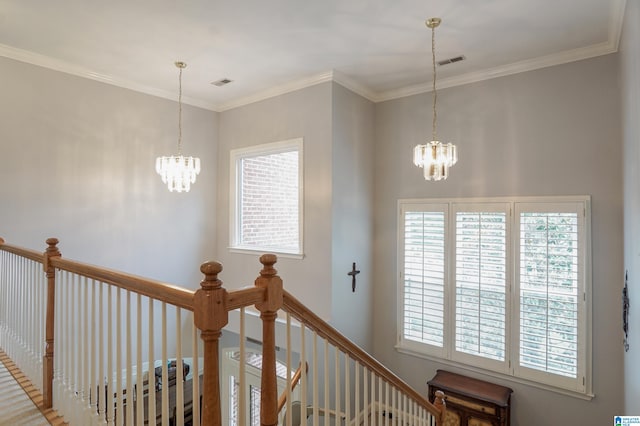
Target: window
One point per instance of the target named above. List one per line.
(266, 198)
(498, 284)
(231, 391)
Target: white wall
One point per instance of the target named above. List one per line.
(554, 131)
(630, 85)
(77, 162)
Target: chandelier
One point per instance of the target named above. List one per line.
(435, 157)
(177, 171)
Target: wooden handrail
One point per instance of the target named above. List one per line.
(317, 324)
(163, 292)
(158, 290)
(36, 256)
(236, 299)
(294, 382)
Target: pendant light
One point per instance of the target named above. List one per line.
(177, 171)
(435, 157)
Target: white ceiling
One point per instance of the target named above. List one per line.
(378, 48)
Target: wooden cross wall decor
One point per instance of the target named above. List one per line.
(353, 274)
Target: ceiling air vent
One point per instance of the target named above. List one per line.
(451, 60)
(221, 82)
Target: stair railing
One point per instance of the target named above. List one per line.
(105, 370)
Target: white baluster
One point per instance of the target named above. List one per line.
(373, 402)
(337, 386)
(86, 350)
(303, 378)
(242, 395)
(94, 385)
(129, 361)
(347, 390)
(288, 400)
(196, 373)
(316, 402)
(69, 348)
(151, 394)
(365, 396)
(326, 383)
(165, 373)
(120, 413)
(139, 369)
(109, 385)
(59, 345)
(100, 373)
(381, 407)
(179, 370)
(386, 401)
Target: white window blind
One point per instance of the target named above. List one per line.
(505, 288)
(481, 280)
(424, 276)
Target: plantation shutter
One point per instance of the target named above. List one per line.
(481, 281)
(550, 268)
(501, 284)
(424, 276)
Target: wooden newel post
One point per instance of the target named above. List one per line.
(210, 316)
(441, 405)
(268, 313)
(47, 362)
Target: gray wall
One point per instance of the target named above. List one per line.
(303, 113)
(337, 128)
(77, 162)
(352, 214)
(77, 159)
(554, 131)
(630, 84)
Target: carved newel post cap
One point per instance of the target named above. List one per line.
(52, 249)
(1, 240)
(268, 260)
(211, 271)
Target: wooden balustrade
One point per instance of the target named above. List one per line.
(319, 326)
(210, 306)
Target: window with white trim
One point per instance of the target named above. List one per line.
(266, 198)
(498, 284)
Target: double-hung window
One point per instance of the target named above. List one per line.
(266, 198)
(498, 284)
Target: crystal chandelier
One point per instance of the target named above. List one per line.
(178, 171)
(435, 157)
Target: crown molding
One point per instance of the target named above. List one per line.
(616, 20)
(277, 91)
(69, 68)
(354, 86)
(515, 68)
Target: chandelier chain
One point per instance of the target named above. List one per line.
(435, 93)
(180, 112)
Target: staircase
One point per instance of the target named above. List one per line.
(121, 349)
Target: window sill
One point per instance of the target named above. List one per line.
(579, 395)
(260, 252)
